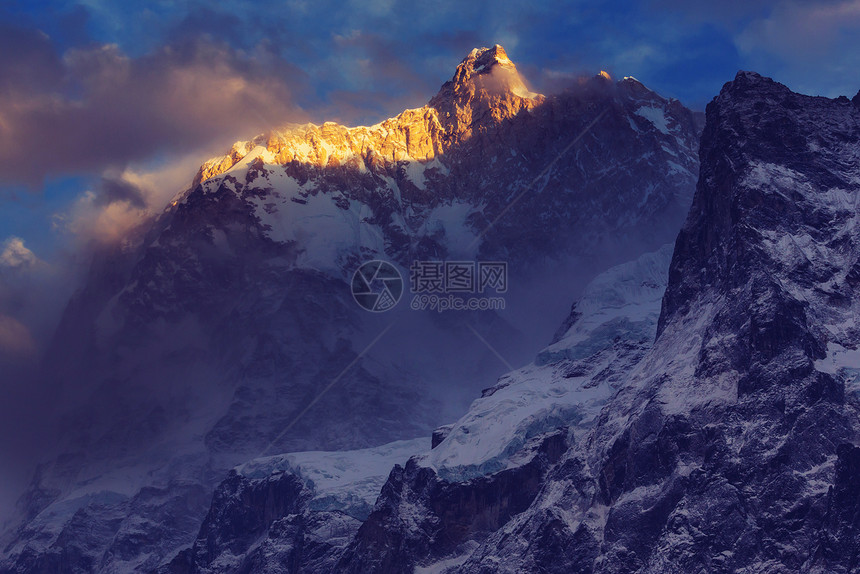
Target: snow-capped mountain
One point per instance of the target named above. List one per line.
(714, 429)
(205, 338)
(600, 163)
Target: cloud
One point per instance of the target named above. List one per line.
(15, 338)
(97, 108)
(119, 190)
(803, 30)
(31, 291)
(14, 254)
(123, 199)
(36, 65)
(90, 219)
(729, 13)
(814, 46)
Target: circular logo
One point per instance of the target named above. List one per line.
(377, 286)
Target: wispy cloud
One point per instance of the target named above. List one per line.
(14, 254)
(28, 302)
(812, 46)
(123, 199)
(96, 107)
(15, 339)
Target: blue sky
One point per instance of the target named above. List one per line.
(96, 92)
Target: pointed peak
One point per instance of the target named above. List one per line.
(487, 81)
(487, 70)
(483, 60)
(633, 86)
(492, 69)
(491, 56)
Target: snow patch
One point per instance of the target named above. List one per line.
(844, 363)
(451, 219)
(348, 481)
(656, 116)
(326, 225)
(570, 382)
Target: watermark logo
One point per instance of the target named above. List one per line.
(435, 285)
(377, 286)
(458, 285)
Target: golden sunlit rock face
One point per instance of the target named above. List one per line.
(486, 89)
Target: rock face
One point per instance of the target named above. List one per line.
(290, 513)
(732, 443)
(421, 517)
(205, 338)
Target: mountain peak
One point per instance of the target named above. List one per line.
(750, 76)
(752, 81)
(486, 63)
(487, 86)
(482, 58)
